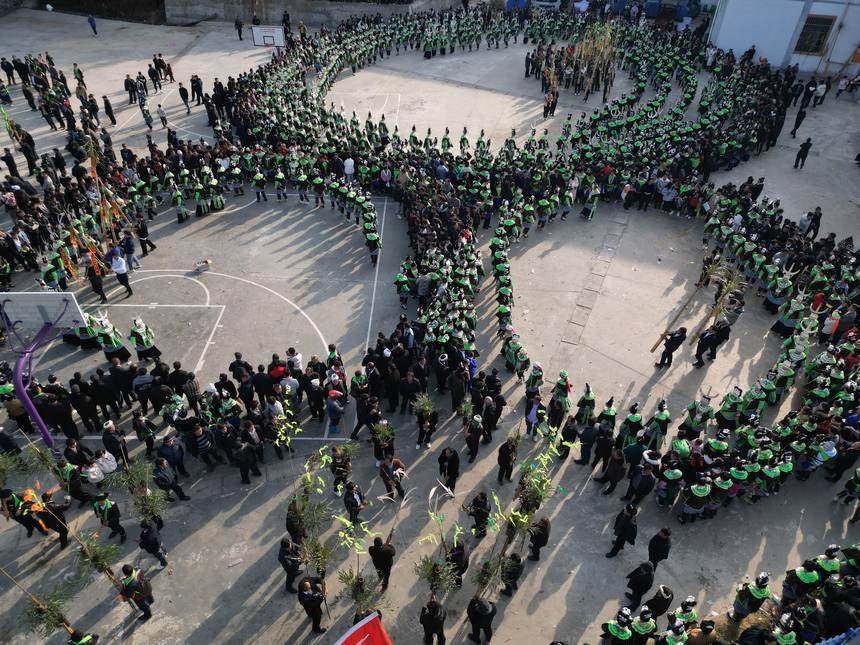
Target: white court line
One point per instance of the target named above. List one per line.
(179, 127)
(153, 277)
(209, 340)
(152, 305)
(376, 276)
(274, 293)
(397, 113)
(373, 293)
(137, 111)
(38, 359)
(261, 286)
(172, 273)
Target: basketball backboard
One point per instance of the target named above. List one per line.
(268, 36)
(27, 312)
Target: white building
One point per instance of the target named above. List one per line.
(821, 36)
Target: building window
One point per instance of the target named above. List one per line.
(813, 38)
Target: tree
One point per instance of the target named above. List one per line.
(46, 613)
(95, 556)
(364, 594)
(492, 572)
(440, 575)
(10, 465)
(286, 426)
(135, 479)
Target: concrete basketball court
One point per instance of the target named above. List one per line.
(592, 297)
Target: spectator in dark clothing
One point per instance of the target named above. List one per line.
(150, 541)
(625, 529)
(539, 537)
(247, 458)
(673, 341)
(432, 619)
(410, 388)
(263, 385)
(707, 343)
(166, 479)
(174, 454)
(511, 574)
(224, 384)
(311, 598)
(658, 546)
(77, 454)
(660, 602)
(480, 613)
(290, 559)
(639, 581)
(239, 366)
(201, 444)
(86, 409)
(802, 153)
(104, 394)
(382, 555)
(142, 386)
(177, 378)
(123, 377)
(114, 443)
(642, 482)
(613, 473)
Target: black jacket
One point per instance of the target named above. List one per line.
(540, 535)
(658, 548)
(311, 599)
(150, 540)
(78, 457)
(114, 443)
(481, 612)
(507, 454)
(433, 621)
(382, 556)
(641, 578)
(289, 558)
(449, 464)
(625, 527)
(675, 340)
(176, 379)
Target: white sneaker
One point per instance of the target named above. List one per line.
(534, 438)
(377, 463)
(427, 445)
(417, 446)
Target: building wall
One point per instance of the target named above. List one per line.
(312, 12)
(843, 40)
(767, 24)
(9, 5)
(774, 25)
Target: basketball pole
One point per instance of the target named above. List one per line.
(24, 362)
(24, 365)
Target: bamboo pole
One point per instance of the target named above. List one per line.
(83, 546)
(675, 318)
(35, 600)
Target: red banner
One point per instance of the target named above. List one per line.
(366, 632)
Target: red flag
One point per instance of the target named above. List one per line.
(366, 632)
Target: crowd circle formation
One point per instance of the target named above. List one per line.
(691, 110)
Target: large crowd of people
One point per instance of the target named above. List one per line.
(692, 110)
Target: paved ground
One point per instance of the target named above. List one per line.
(592, 297)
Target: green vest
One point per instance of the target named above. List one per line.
(619, 632)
